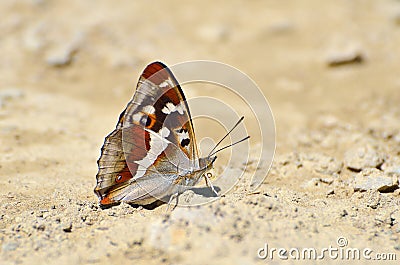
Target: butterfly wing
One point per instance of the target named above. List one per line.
(152, 142)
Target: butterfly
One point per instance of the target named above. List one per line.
(152, 153)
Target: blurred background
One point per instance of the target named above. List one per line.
(93, 51)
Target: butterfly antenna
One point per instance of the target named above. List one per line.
(226, 135)
(244, 139)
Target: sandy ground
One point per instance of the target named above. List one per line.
(68, 68)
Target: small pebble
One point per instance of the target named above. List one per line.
(330, 192)
(321, 163)
(362, 157)
(40, 227)
(345, 58)
(374, 199)
(64, 54)
(61, 57)
(396, 216)
(314, 182)
(344, 213)
(67, 227)
(374, 179)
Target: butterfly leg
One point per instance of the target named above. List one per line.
(173, 196)
(208, 182)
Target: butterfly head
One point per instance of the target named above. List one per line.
(206, 163)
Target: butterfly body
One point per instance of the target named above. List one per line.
(152, 152)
